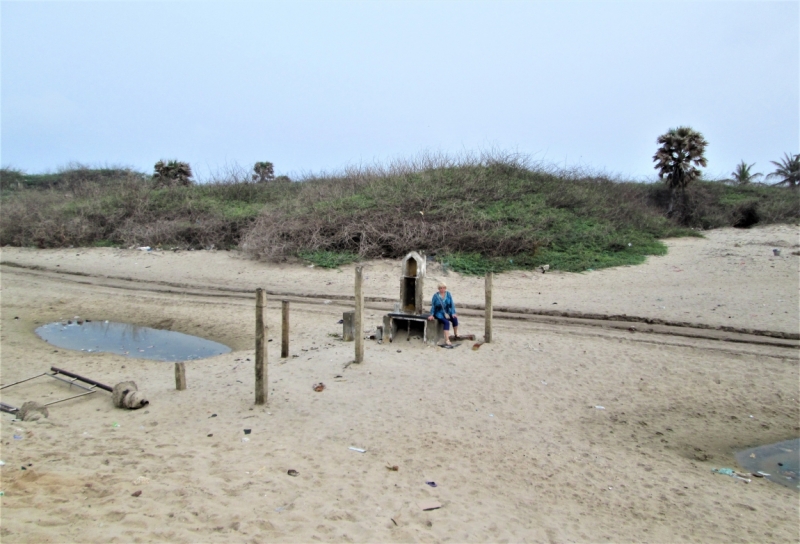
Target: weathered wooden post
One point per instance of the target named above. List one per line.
(487, 335)
(261, 349)
(180, 376)
(348, 326)
(284, 328)
(359, 317)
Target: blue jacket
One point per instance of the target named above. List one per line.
(440, 307)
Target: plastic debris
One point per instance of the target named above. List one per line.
(432, 484)
(359, 450)
(600, 407)
(292, 472)
(732, 473)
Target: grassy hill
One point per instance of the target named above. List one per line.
(476, 215)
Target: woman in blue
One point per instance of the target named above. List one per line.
(443, 309)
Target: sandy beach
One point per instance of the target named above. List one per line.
(568, 427)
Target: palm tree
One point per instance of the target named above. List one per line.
(742, 174)
(173, 173)
(264, 171)
(788, 169)
(681, 152)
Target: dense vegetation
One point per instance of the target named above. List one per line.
(492, 213)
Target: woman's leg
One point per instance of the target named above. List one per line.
(455, 326)
(446, 324)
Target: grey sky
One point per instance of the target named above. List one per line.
(315, 86)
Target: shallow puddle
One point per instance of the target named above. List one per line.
(130, 340)
(781, 461)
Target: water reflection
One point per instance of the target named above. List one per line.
(129, 340)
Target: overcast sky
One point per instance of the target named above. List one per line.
(318, 85)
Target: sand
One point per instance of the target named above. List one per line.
(510, 432)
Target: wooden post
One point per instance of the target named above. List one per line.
(359, 317)
(180, 376)
(261, 348)
(487, 335)
(348, 326)
(284, 328)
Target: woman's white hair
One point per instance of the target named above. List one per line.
(442, 284)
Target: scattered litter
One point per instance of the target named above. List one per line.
(2, 494)
(760, 474)
(17, 437)
(212, 415)
(292, 472)
(725, 471)
(144, 248)
(393, 468)
(600, 407)
(141, 480)
(115, 425)
(2, 463)
(340, 322)
(732, 473)
(136, 493)
(318, 387)
(432, 484)
(247, 431)
(327, 302)
(429, 505)
(544, 382)
(776, 252)
(476, 346)
(245, 439)
(359, 450)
